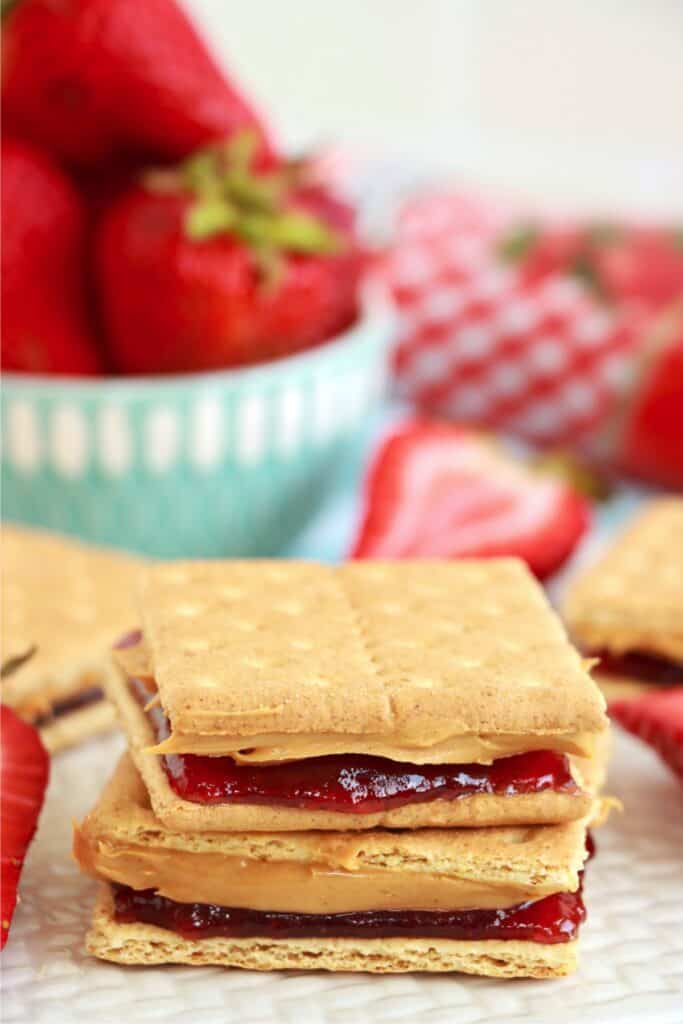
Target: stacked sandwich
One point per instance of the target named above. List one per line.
(376, 767)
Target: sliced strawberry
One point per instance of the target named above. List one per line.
(441, 491)
(24, 770)
(656, 718)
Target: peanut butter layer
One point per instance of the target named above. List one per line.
(290, 887)
(121, 841)
(276, 747)
(631, 598)
(135, 661)
(420, 661)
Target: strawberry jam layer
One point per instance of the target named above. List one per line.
(550, 920)
(59, 708)
(349, 783)
(648, 668)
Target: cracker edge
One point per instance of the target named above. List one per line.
(78, 726)
(148, 944)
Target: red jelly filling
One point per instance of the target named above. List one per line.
(76, 702)
(649, 668)
(553, 919)
(349, 783)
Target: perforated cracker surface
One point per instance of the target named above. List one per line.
(423, 650)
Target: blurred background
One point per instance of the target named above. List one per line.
(576, 103)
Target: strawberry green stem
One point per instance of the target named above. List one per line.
(229, 197)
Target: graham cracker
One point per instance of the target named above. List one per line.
(78, 726)
(148, 944)
(541, 859)
(546, 807)
(407, 652)
(631, 599)
(67, 603)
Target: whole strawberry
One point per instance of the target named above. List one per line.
(45, 326)
(213, 265)
(89, 80)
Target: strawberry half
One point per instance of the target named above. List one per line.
(656, 718)
(441, 491)
(24, 770)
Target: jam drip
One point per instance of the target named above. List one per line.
(649, 668)
(58, 708)
(550, 920)
(348, 783)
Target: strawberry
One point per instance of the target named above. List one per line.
(542, 252)
(657, 718)
(619, 263)
(45, 325)
(88, 80)
(24, 770)
(643, 264)
(440, 491)
(651, 445)
(249, 266)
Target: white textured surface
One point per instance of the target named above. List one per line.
(632, 948)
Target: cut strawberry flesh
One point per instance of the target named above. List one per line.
(656, 718)
(550, 920)
(440, 491)
(648, 668)
(349, 783)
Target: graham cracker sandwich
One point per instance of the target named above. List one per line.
(272, 696)
(627, 608)
(63, 605)
(501, 901)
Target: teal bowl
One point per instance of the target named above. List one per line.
(228, 463)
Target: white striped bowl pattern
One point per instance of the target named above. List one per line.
(225, 463)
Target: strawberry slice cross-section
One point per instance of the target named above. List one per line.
(436, 490)
(24, 770)
(656, 718)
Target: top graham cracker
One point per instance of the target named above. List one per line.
(420, 651)
(632, 598)
(64, 601)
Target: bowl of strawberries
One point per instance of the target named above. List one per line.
(191, 335)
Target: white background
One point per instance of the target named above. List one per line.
(579, 102)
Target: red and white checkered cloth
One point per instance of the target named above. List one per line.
(543, 360)
(483, 340)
